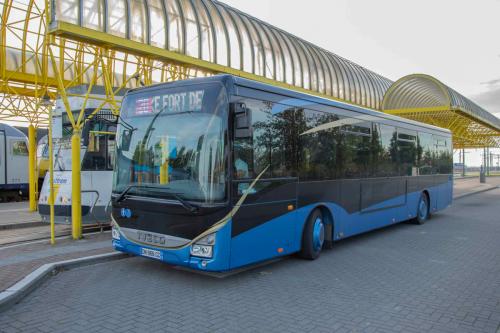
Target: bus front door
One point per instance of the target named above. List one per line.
(264, 221)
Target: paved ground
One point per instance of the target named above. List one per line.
(467, 185)
(17, 235)
(443, 276)
(17, 261)
(17, 212)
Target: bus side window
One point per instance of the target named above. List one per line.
(443, 155)
(426, 163)
(407, 152)
(386, 159)
(357, 140)
(269, 143)
(319, 156)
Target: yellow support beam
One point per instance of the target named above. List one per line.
(32, 166)
(51, 182)
(76, 187)
(401, 112)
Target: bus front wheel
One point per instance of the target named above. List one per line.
(422, 210)
(313, 236)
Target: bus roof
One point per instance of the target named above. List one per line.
(231, 82)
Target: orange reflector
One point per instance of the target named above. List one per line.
(280, 250)
(290, 207)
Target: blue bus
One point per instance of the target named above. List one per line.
(222, 172)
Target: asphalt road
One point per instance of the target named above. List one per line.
(443, 276)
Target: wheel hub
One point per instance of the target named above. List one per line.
(318, 234)
(423, 210)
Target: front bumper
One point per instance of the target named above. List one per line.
(181, 256)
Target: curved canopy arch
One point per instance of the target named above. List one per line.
(424, 98)
(226, 40)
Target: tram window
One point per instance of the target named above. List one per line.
(101, 148)
(19, 148)
(111, 152)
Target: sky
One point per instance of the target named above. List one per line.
(456, 41)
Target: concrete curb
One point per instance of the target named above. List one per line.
(475, 192)
(21, 225)
(30, 282)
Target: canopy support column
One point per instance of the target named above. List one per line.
(32, 167)
(76, 188)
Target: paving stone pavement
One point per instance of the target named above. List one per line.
(443, 276)
(17, 261)
(467, 185)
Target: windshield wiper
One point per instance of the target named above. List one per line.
(184, 203)
(122, 195)
(187, 205)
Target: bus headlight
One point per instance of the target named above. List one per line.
(204, 251)
(207, 240)
(115, 234)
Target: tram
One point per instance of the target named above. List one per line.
(42, 158)
(13, 163)
(97, 160)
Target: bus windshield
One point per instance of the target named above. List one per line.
(173, 139)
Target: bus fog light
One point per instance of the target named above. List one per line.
(204, 251)
(115, 234)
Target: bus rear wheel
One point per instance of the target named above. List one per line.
(313, 236)
(422, 210)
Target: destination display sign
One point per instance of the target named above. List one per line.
(189, 101)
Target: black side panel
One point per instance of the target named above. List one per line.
(360, 194)
(267, 200)
(413, 184)
(351, 195)
(319, 191)
(376, 191)
(251, 216)
(427, 182)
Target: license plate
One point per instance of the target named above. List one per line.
(151, 253)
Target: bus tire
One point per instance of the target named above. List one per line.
(422, 210)
(313, 236)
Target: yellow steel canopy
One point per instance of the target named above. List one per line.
(426, 99)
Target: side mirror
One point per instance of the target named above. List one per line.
(242, 121)
(126, 139)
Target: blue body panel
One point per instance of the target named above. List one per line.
(16, 187)
(283, 235)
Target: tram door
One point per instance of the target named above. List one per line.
(3, 157)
